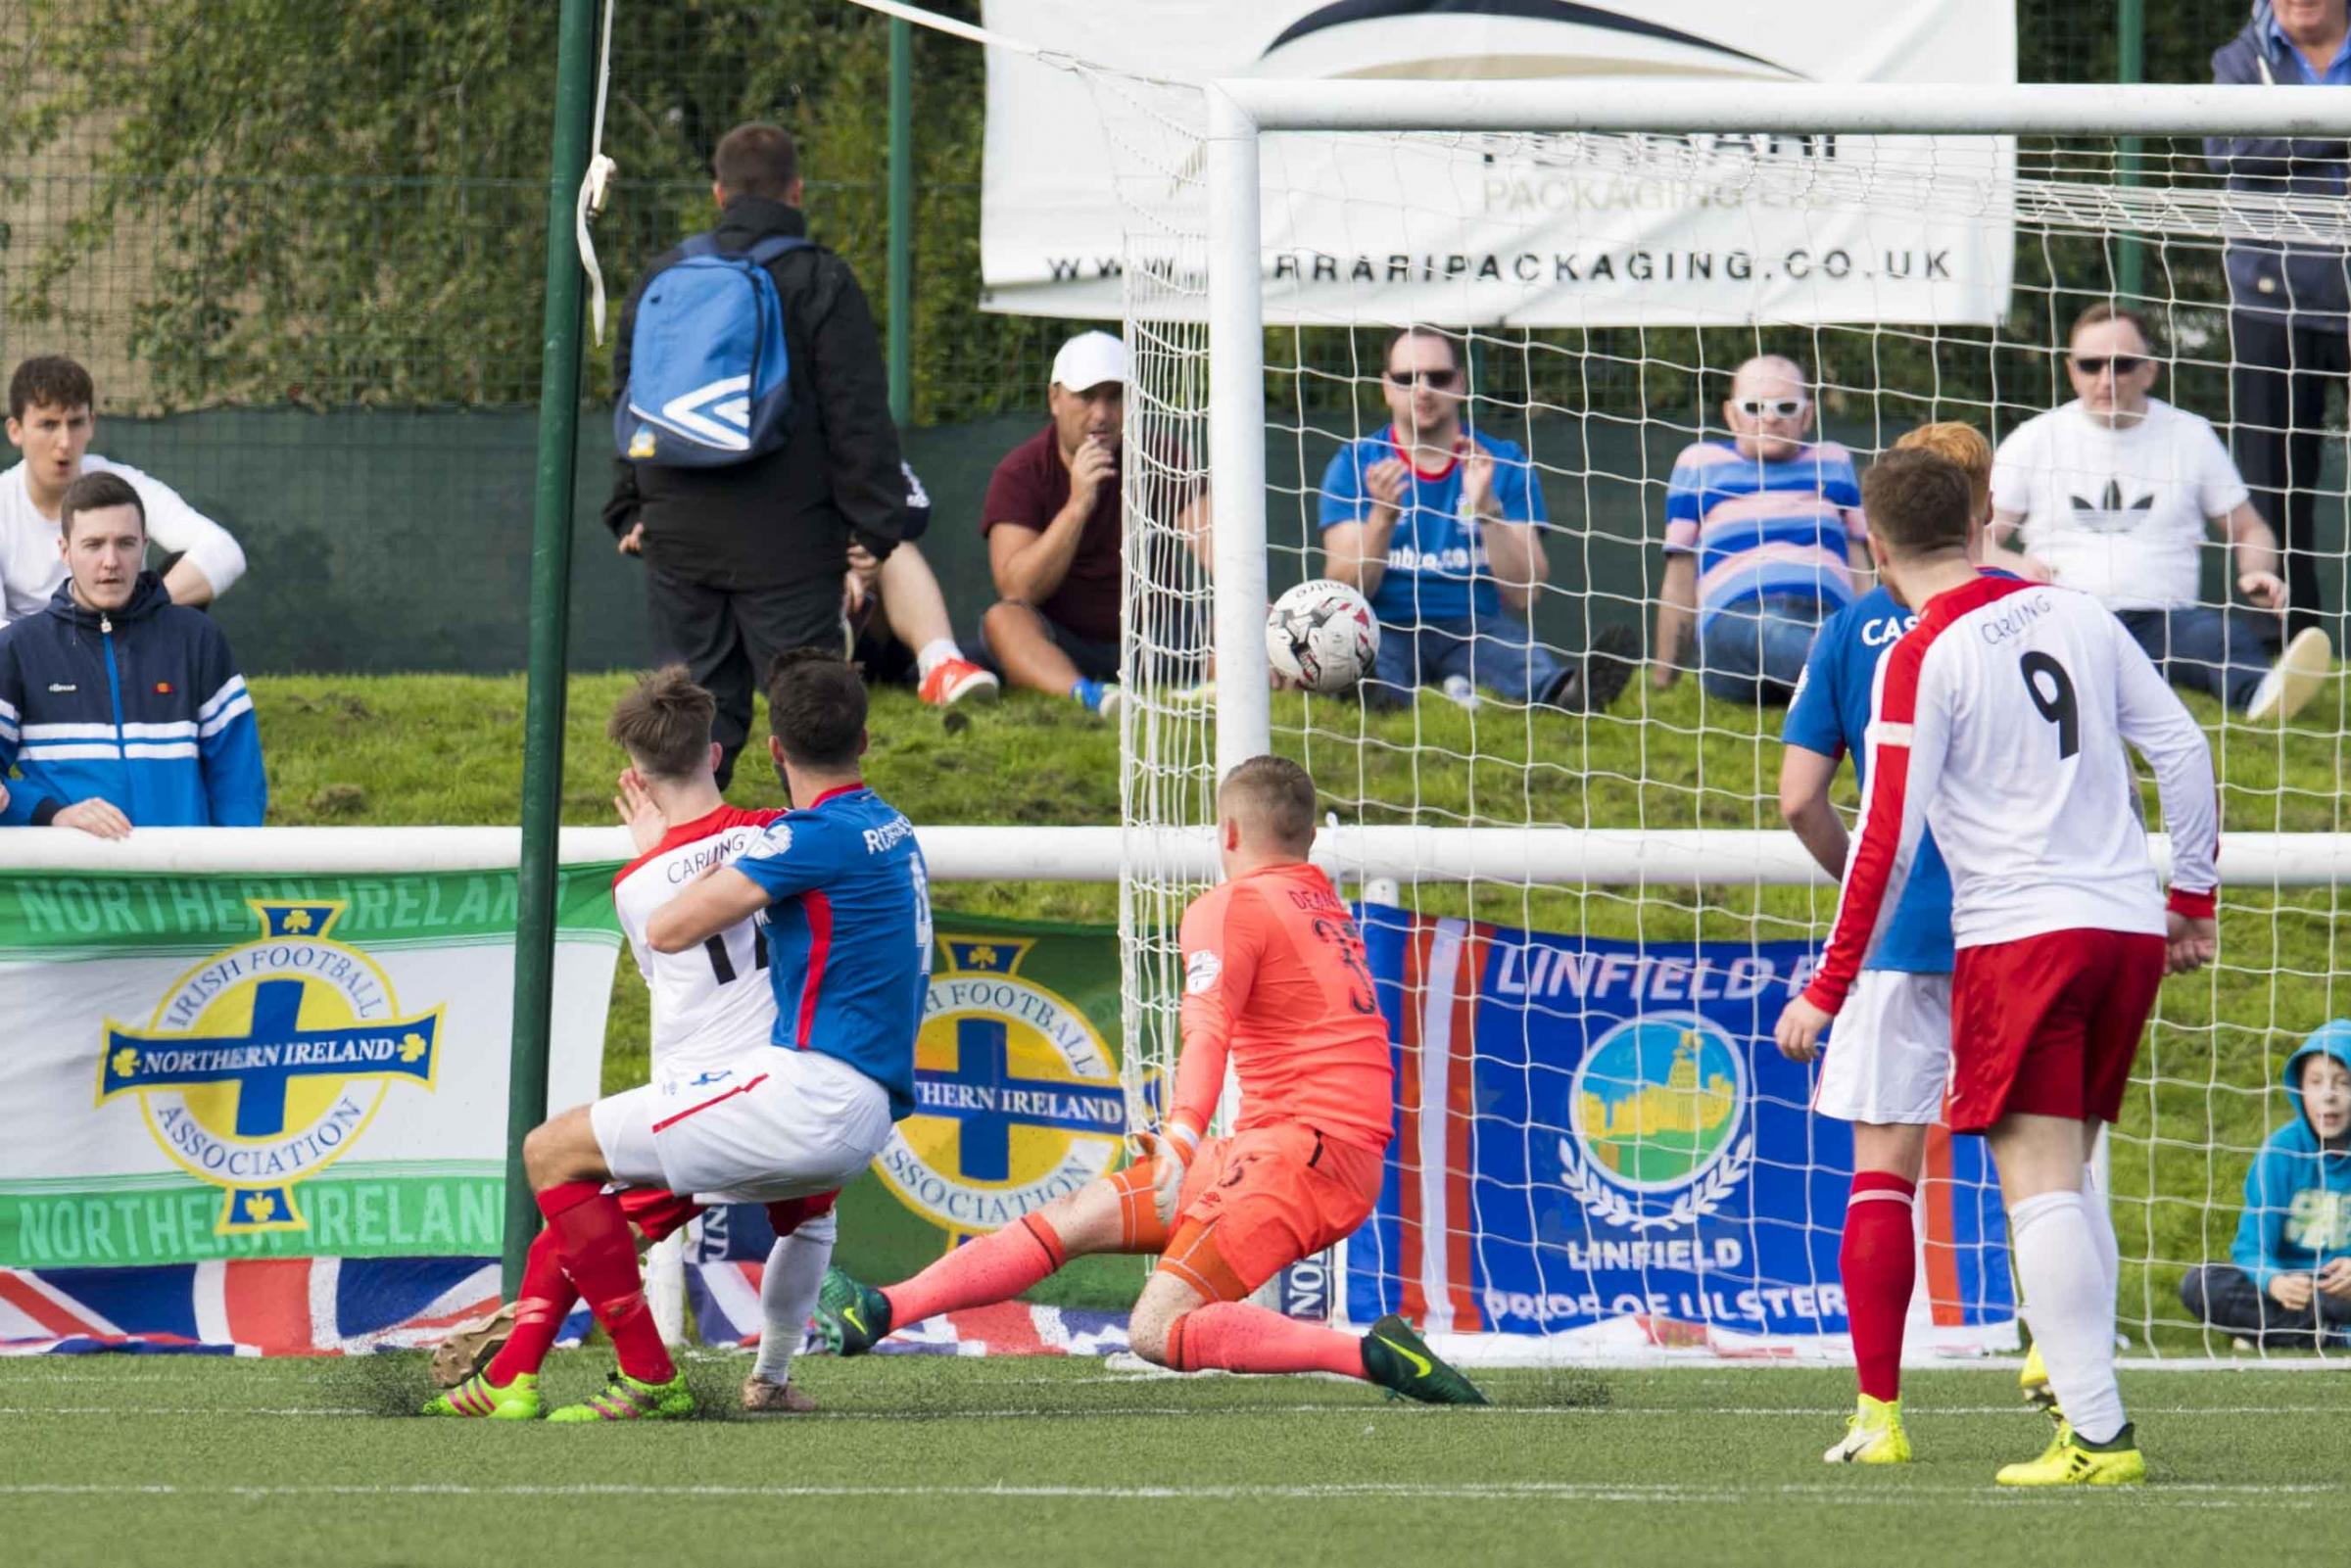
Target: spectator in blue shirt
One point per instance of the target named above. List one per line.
(2288, 1276)
(1763, 541)
(1441, 526)
(2289, 302)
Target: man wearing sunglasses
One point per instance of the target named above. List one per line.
(1763, 541)
(2112, 492)
(1440, 527)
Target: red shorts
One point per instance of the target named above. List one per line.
(657, 1214)
(2048, 1025)
(1257, 1202)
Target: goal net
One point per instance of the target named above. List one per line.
(1585, 922)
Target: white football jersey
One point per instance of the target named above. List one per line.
(1999, 721)
(712, 1001)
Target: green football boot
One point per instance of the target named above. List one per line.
(626, 1400)
(484, 1400)
(852, 1317)
(1401, 1362)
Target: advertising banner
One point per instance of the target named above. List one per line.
(1598, 1140)
(1523, 230)
(204, 1069)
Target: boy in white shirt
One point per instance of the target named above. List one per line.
(51, 417)
(2111, 494)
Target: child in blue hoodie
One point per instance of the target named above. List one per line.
(2288, 1282)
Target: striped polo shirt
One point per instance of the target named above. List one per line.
(1764, 529)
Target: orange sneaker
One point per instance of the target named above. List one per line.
(951, 681)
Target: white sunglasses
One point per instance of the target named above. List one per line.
(1772, 408)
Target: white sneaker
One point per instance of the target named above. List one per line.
(1112, 695)
(1461, 694)
(2308, 659)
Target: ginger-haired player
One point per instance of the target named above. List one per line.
(1274, 984)
(1887, 1066)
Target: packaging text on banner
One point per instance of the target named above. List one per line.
(1593, 1135)
(1593, 232)
(217, 1067)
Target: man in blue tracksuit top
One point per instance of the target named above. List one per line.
(2288, 1276)
(117, 707)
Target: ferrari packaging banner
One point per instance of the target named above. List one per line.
(1528, 232)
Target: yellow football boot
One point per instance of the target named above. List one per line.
(1873, 1435)
(2068, 1461)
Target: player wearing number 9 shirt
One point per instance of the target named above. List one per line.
(1276, 987)
(1999, 721)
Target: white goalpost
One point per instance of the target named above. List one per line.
(1522, 844)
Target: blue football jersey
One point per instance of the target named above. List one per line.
(849, 933)
(1437, 570)
(1830, 715)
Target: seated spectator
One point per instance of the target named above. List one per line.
(1053, 525)
(898, 621)
(1440, 526)
(2289, 1278)
(51, 420)
(117, 707)
(1763, 541)
(2113, 492)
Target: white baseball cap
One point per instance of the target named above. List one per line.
(1087, 360)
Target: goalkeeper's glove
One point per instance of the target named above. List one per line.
(1170, 1147)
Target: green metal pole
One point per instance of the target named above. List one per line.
(899, 347)
(2131, 65)
(551, 616)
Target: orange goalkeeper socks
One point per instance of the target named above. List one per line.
(1235, 1337)
(994, 1269)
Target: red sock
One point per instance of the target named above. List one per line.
(1239, 1337)
(994, 1269)
(545, 1299)
(1879, 1261)
(592, 1234)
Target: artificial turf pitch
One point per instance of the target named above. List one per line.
(928, 1462)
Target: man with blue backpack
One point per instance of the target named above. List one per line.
(754, 439)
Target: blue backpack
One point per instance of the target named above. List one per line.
(707, 384)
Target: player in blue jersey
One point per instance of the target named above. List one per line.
(1890, 1054)
(839, 885)
(1441, 528)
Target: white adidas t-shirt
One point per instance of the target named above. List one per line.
(32, 569)
(2120, 514)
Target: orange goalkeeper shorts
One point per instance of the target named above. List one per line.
(1252, 1205)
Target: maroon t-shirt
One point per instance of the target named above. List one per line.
(1029, 488)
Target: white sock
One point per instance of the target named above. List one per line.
(795, 1268)
(934, 654)
(2101, 1210)
(2071, 1307)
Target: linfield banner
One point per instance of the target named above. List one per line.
(1525, 231)
(1598, 1140)
(206, 1067)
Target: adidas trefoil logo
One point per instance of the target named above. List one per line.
(2110, 513)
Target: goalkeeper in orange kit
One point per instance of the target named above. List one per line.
(1274, 982)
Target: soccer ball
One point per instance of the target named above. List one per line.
(1320, 635)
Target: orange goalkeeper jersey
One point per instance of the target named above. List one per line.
(1274, 977)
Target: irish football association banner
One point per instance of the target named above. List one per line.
(206, 1071)
(1598, 1140)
